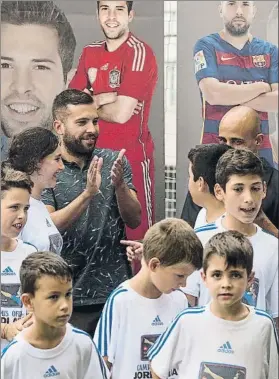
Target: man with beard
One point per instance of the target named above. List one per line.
(93, 200)
(37, 52)
(122, 73)
(234, 68)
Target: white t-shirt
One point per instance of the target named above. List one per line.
(198, 344)
(40, 229)
(201, 218)
(76, 357)
(263, 293)
(11, 305)
(129, 326)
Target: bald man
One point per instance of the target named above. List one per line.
(239, 128)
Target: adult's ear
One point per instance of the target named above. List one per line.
(58, 127)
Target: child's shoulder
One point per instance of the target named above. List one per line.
(14, 350)
(179, 297)
(81, 340)
(119, 295)
(213, 226)
(193, 313)
(263, 317)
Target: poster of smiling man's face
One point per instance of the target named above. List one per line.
(37, 53)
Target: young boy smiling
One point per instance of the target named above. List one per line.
(239, 178)
(226, 339)
(15, 195)
(50, 347)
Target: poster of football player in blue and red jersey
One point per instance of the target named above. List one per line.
(232, 68)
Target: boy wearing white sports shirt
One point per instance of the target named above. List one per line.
(226, 339)
(140, 309)
(239, 185)
(15, 194)
(50, 347)
(202, 166)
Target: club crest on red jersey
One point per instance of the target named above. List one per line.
(259, 60)
(114, 78)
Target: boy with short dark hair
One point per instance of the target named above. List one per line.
(226, 339)
(15, 196)
(203, 160)
(140, 309)
(50, 347)
(239, 178)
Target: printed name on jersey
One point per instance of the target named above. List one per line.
(114, 78)
(200, 61)
(259, 60)
(146, 343)
(143, 372)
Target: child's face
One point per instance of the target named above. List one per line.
(226, 285)
(169, 278)
(243, 197)
(14, 207)
(52, 303)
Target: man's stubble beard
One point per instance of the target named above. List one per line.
(237, 32)
(118, 36)
(76, 148)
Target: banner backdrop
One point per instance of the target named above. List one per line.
(36, 65)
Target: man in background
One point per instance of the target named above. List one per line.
(234, 68)
(240, 128)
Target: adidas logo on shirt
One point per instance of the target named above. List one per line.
(157, 321)
(8, 272)
(226, 348)
(51, 372)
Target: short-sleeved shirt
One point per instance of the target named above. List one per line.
(263, 291)
(91, 245)
(75, 357)
(130, 325)
(202, 346)
(130, 70)
(40, 230)
(270, 204)
(216, 58)
(12, 308)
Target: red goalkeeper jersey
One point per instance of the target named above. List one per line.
(131, 70)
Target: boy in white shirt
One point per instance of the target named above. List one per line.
(50, 347)
(239, 177)
(226, 339)
(15, 195)
(140, 309)
(203, 160)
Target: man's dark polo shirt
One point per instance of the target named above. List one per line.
(270, 203)
(91, 245)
